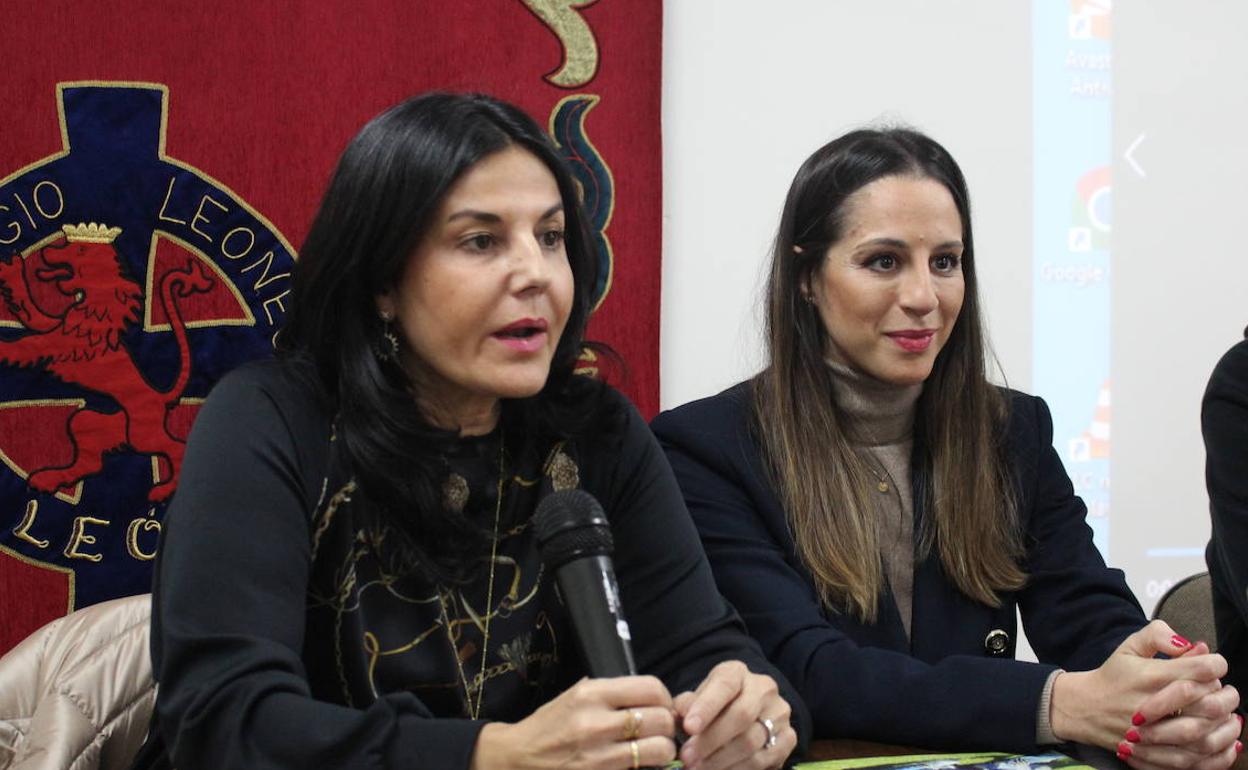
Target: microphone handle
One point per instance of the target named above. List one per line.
(589, 589)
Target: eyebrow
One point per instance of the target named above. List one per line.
(899, 244)
(485, 216)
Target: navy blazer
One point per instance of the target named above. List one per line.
(1224, 423)
(954, 683)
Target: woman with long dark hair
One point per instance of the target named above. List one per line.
(878, 511)
(348, 576)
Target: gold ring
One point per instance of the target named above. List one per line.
(632, 745)
(632, 725)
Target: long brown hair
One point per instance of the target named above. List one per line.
(962, 477)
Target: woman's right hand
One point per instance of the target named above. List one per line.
(604, 724)
(1178, 730)
(1097, 707)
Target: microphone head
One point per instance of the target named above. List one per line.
(570, 524)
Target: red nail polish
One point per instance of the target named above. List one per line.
(1124, 748)
(1179, 642)
(1240, 717)
(1239, 747)
(1133, 735)
(1138, 719)
(1122, 757)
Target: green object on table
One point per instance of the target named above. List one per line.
(965, 761)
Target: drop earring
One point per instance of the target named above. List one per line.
(390, 349)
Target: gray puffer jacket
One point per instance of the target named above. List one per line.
(77, 693)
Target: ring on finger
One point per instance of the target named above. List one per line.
(770, 727)
(632, 746)
(632, 725)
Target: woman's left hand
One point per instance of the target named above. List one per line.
(725, 719)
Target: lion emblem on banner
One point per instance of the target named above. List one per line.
(82, 345)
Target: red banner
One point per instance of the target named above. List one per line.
(158, 167)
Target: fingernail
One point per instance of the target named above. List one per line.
(1124, 750)
(1240, 717)
(1138, 719)
(1179, 642)
(1133, 735)
(1123, 756)
(1239, 747)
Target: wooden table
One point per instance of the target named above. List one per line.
(845, 748)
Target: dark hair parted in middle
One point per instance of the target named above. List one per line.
(381, 201)
(962, 475)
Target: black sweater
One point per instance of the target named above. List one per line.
(1224, 423)
(283, 637)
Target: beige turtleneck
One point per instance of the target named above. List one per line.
(882, 419)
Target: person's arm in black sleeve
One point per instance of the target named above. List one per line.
(230, 600)
(1224, 423)
(681, 625)
(1076, 610)
(962, 702)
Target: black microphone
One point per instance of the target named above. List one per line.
(574, 539)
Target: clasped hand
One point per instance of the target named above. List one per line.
(631, 722)
(1155, 712)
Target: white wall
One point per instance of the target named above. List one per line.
(750, 89)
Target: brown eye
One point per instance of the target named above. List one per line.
(552, 238)
(883, 262)
(946, 263)
(479, 242)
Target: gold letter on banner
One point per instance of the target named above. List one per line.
(132, 536)
(80, 536)
(23, 529)
(580, 49)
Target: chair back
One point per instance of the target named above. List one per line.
(1188, 608)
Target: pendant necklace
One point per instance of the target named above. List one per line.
(882, 484)
(474, 709)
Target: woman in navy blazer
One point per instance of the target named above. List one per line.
(877, 511)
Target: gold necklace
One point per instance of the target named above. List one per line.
(882, 485)
(474, 711)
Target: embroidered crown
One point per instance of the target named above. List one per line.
(90, 233)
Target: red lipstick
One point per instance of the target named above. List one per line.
(525, 335)
(913, 340)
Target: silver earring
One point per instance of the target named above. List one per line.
(392, 339)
